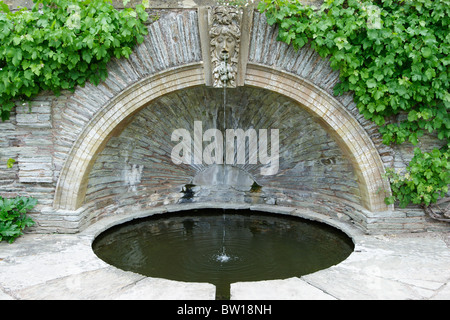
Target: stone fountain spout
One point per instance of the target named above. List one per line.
(223, 73)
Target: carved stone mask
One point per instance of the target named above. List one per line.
(225, 36)
(225, 46)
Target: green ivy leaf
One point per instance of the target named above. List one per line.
(371, 83)
(10, 163)
(4, 7)
(17, 57)
(426, 52)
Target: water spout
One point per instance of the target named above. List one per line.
(223, 257)
(224, 80)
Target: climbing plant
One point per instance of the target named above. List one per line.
(60, 44)
(425, 180)
(394, 56)
(13, 216)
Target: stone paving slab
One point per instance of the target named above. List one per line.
(396, 267)
(64, 267)
(56, 266)
(287, 289)
(112, 284)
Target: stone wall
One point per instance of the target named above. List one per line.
(28, 139)
(132, 170)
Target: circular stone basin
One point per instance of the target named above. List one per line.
(222, 247)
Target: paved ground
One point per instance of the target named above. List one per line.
(55, 266)
(414, 266)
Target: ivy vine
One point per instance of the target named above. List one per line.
(394, 55)
(60, 44)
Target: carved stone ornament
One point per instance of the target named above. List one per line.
(225, 36)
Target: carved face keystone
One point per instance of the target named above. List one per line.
(225, 46)
(224, 40)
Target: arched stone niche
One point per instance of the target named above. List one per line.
(353, 147)
(136, 168)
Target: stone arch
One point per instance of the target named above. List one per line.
(72, 182)
(347, 131)
(113, 116)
